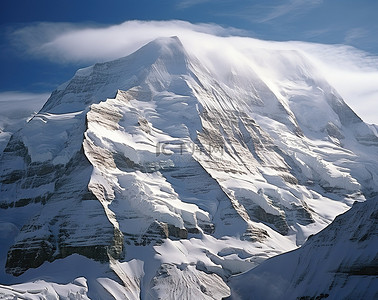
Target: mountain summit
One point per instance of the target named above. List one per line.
(167, 174)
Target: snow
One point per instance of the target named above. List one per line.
(16, 110)
(130, 273)
(187, 282)
(211, 254)
(339, 262)
(48, 135)
(43, 290)
(74, 277)
(185, 170)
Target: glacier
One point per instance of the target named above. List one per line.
(164, 175)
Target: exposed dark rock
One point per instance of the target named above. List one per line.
(302, 214)
(334, 131)
(74, 236)
(278, 221)
(29, 254)
(160, 230)
(254, 234)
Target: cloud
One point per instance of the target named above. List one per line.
(355, 34)
(310, 34)
(352, 72)
(289, 7)
(267, 12)
(183, 4)
(62, 42)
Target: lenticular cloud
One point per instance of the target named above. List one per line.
(63, 42)
(352, 72)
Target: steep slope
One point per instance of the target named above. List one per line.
(16, 109)
(198, 173)
(340, 262)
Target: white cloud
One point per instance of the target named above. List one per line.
(352, 72)
(355, 34)
(62, 42)
(183, 4)
(289, 7)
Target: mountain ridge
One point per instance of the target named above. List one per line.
(347, 245)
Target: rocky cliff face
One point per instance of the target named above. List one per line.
(212, 172)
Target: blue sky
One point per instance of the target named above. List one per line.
(27, 26)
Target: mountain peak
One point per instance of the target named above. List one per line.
(102, 80)
(190, 169)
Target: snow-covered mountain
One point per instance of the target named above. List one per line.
(340, 262)
(161, 174)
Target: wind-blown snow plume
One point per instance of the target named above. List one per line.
(353, 73)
